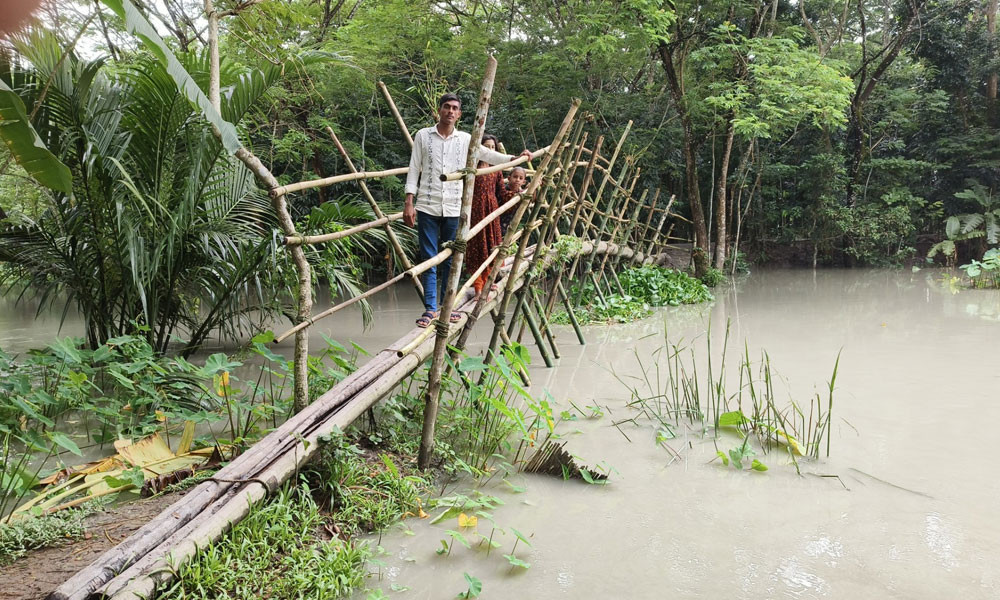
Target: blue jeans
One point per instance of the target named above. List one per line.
(432, 233)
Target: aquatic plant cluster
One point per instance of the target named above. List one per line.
(642, 289)
(678, 388)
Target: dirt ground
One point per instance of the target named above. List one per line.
(41, 571)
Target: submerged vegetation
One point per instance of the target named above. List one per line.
(642, 289)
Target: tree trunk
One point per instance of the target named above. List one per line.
(691, 191)
(991, 80)
(721, 233)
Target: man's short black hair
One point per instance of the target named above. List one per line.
(449, 98)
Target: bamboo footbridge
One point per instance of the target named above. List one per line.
(532, 269)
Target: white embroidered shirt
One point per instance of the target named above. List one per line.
(433, 155)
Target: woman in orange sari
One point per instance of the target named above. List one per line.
(487, 190)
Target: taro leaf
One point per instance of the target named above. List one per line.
(520, 536)
(27, 148)
(758, 466)
(219, 362)
(737, 455)
(458, 536)
(137, 24)
(62, 440)
(443, 548)
(475, 587)
(67, 349)
(265, 337)
(471, 363)
(732, 419)
(516, 562)
(722, 455)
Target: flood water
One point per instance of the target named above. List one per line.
(912, 515)
(912, 512)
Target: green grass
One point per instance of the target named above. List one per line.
(33, 533)
(277, 551)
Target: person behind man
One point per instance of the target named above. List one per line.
(434, 205)
(514, 187)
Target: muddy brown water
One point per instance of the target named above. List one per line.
(913, 513)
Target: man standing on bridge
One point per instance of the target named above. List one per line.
(437, 150)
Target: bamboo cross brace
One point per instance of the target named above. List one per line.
(300, 240)
(456, 175)
(550, 230)
(327, 181)
(649, 217)
(395, 113)
(519, 255)
(547, 226)
(659, 226)
(393, 240)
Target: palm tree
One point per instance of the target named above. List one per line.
(163, 232)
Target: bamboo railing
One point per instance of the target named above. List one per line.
(557, 202)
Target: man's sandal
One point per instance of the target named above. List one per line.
(455, 317)
(426, 318)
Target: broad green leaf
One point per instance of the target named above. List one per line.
(722, 455)
(471, 363)
(516, 562)
(520, 536)
(475, 587)
(27, 147)
(137, 24)
(758, 466)
(732, 419)
(62, 440)
(458, 536)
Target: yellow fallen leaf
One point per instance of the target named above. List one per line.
(465, 520)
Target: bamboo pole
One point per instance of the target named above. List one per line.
(443, 323)
(395, 113)
(550, 230)
(393, 240)
(519, 255)
(281, 190)
(536, 333)
(456, 175)
(301, 240)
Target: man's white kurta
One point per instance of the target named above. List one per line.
(434, 155)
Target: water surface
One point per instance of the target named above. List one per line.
(913, 513)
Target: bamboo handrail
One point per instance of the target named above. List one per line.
(317, 183)
(520, 160)
(298, 240)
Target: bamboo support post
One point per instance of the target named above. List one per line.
(570, 312)
(441, 341)
(536, 333)
(393, 240)
(545, 327)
